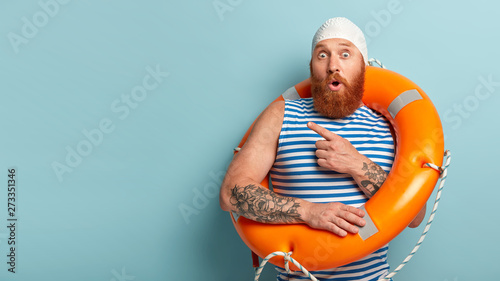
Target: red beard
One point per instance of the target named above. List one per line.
(337, 104)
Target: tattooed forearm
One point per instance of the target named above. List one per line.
(375, 177)
(263, 205)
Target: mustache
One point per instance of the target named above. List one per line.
(333, 76)
(336, 76)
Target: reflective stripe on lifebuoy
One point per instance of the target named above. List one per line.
(419, 140)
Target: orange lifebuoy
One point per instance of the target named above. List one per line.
(419, 140)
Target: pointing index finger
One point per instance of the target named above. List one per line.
(325, 133)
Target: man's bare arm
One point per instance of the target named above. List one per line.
(262, 205)
(241, 191)
(375, 177)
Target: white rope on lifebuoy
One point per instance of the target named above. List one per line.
(288, 258)
(373, 61)
(444, 173)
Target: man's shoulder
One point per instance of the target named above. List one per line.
(273, 115)
(276, 108)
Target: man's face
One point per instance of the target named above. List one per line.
(337, 78)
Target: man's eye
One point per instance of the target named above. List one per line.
(322, 55)
(345, 55)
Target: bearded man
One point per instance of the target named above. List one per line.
(327, 155)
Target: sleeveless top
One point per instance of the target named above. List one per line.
(296, 173)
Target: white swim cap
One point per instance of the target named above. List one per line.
(344, 29)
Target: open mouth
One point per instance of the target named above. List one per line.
(335, 85)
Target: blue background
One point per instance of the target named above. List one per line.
(116, 213)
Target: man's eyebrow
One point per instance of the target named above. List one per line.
(343, 44)
(320, 45)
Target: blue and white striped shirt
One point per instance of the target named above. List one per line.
(296, 173)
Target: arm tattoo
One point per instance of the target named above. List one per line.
(376, 177)
(262, 205)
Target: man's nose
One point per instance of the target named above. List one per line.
(333, 65)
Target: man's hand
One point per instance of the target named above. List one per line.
(335, 217)
(335, 152)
